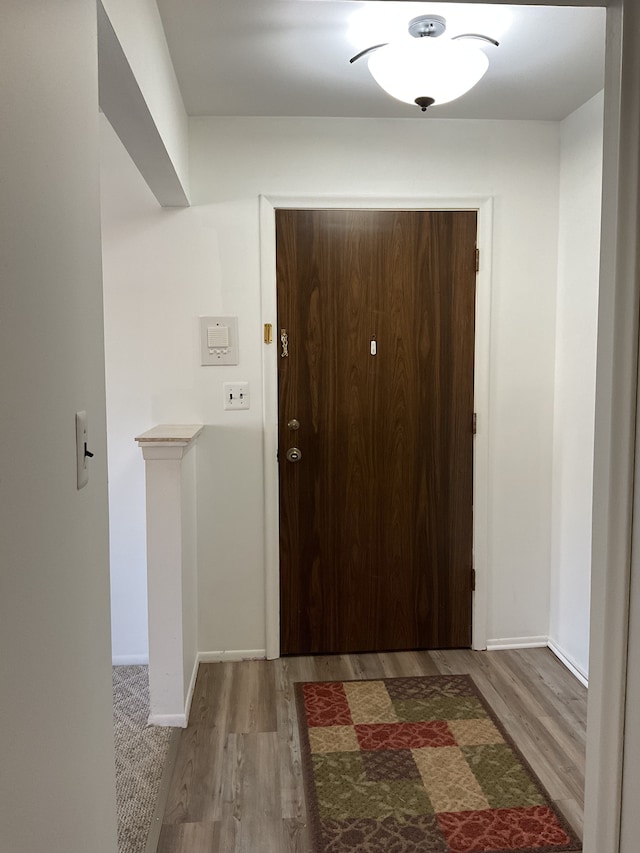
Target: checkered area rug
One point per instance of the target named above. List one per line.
(418, 765)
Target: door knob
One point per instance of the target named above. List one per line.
(294, 454)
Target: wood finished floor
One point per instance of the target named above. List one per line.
(237, 785)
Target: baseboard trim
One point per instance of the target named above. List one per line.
(232, 655)
(130, 660)
(174, 721)
(192, 685)
(517, 643)
(569, 662)
(537, 643)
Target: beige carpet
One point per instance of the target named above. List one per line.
(141, 752)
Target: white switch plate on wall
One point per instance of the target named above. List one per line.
(236, 395)
(81, 446)
(218, 340)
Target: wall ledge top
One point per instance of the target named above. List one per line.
(180, 434)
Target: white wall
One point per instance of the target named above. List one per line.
(575, 378)
(164, 268)
(57, 781)
(129, 407)
(151, 299)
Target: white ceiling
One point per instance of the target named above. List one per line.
(291, 57)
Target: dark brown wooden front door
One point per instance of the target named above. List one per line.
(376, 515)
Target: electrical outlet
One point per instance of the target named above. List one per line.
(236, 395)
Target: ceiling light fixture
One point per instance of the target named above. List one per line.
(423, 70)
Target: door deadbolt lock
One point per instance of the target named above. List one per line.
(294, 423)
(294, 454)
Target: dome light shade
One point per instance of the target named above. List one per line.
(428, 68)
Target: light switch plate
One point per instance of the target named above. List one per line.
(236, 395)
(214, 331)
(81, 444)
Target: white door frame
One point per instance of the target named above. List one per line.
(484, 207)
(616, 395)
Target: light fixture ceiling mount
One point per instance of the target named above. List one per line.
(425, 70)
(430, 26)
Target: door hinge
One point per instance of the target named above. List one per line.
(475, 424)
(477, 260)
(473, 580)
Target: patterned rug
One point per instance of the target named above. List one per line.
(141, 752)
(418, 765)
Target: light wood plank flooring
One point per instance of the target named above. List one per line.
(237, 785)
